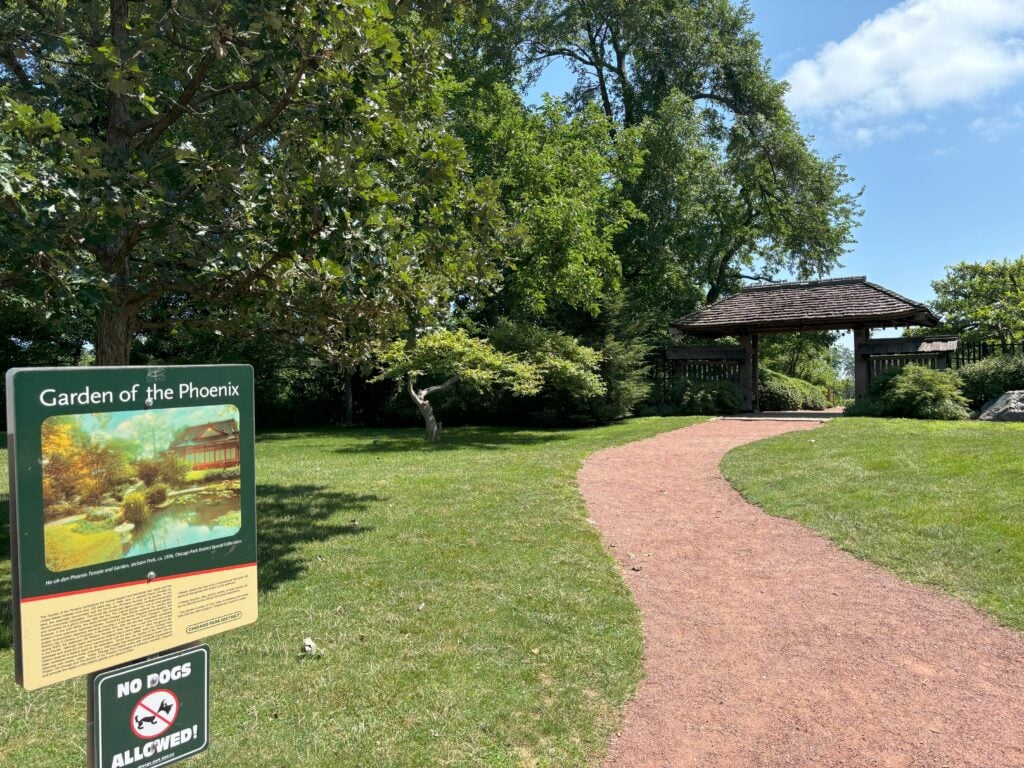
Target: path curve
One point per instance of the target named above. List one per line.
(765, 645)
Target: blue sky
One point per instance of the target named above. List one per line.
(923, 101)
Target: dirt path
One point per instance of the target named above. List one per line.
(767, 646)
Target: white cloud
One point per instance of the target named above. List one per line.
(915, 56)
(864, 134)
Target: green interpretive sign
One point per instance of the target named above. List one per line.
(151, 713)
(133, 512)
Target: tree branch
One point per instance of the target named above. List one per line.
(725, 101)
(245, 85)
(166, 120)
(281, 104)
(597, 54)
(550, 53)
(15, 66)
(448, 384)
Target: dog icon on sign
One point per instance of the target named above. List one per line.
(154, 714)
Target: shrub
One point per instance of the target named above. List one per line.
(148, 470)
(914, 392)
(156, 494)
(134, 507)
(776, 392)
(101, 514)
(989, 378)
(166, 468)
(200, 476)
(708, 398)
(172, 470)
(59, 509)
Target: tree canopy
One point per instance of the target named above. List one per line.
(983, 301)
(363, 184)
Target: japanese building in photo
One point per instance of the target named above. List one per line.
(212, 445)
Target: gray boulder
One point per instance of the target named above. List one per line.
(1007, 407)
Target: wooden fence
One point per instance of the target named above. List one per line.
(665, 373)
(971, 353)
(708, 370)
(880, 363)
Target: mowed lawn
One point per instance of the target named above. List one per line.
(939, 503)
(465, 611)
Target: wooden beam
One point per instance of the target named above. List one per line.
(748, 372)
(860, 363)
(705, 353)
(754, 363)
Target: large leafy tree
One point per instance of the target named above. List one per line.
(730, 187)
(204, 155)
(984, 301)
(558, 177)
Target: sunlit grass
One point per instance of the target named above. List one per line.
(939, 503)
(466, 611)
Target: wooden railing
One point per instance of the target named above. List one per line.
(879, 364)
(971, 353)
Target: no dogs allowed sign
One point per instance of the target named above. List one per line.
(151, 713)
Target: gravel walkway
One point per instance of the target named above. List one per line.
(767, 646)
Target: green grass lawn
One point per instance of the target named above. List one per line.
(466, 611)
(939, 503)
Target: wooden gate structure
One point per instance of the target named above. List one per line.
(843, 303)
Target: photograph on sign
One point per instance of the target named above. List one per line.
(118, 485)
(133, 512)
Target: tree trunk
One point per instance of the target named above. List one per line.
(113, 336)
(114, 329)
(348, 397)
(432, 428)
(419, 397)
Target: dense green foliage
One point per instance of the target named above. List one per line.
(184, 166)
(709, 397)
(914, 392)
(813, 357)
(982, 302)
(778, 392)
(938, 503)
(318, 187)
(989, 378)
(467, 612)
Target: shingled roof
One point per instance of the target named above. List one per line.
(811, 305)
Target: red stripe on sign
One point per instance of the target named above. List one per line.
(134, 583)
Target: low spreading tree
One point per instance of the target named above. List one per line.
(447, 358)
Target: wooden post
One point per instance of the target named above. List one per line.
(860, 364)
(754, 362)
(748, 371)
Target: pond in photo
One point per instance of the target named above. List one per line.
(133, 483)
(182, 523)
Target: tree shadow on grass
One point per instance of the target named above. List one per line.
(476, 438)
(290, 516)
